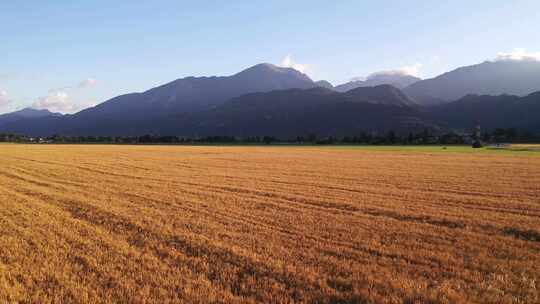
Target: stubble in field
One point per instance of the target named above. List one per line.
(272, 225)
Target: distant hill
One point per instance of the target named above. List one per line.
(29, 113)
(503, 111)
(324, 84)
(196, 93)
(269, 100)
(397, 80)
(381, 94)
(25, 115)
(489, 78)
(126, 114)
(285, 113)
(296, 112)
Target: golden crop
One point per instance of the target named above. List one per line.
(158, 224)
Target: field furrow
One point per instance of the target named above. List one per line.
(140, 224)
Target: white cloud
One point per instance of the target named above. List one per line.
(88, 82)
(83, 84)
(58, 101)
(413, 70)
(4, 98)
(518, 54)
(358, 79)
(288, 62)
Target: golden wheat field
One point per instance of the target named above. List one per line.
(180, 224)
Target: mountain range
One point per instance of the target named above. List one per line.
(398, 80)
(270, 100)
(24, 116)
(488, 78)
(294, 112)
(508, 111)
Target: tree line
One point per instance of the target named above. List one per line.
(426, 137)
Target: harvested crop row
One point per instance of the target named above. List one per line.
(263, 224)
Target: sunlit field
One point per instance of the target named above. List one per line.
(158, 224)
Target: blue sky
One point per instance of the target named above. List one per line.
(66, 55)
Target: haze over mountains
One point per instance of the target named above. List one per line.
(270, 100)
(514, 77)
(398, 80)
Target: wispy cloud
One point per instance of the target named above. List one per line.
(359, 78)
(55, 101)
(288, 62)
(59, 99)
(413, 70)
(4, 99)
(88, 82)
(518, 54)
